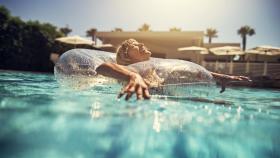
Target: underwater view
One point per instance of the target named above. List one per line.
(39, 118)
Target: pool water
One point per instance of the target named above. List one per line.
(38, 118)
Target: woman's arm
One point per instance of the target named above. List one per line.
(135, 84)
(224, 79)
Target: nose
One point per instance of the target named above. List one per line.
(142, 48)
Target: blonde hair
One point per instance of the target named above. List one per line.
(122, 56)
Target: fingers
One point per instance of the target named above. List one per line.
(129, 94)
(223, 88)
(130, 91)
(245, 78)
(146, 94)
(120, 94)
(139, 93)
(124, 90)
(240, 78)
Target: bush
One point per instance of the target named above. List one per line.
(26, 45)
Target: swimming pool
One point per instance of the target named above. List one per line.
(40, 119)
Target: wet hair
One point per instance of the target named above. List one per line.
(122, 56)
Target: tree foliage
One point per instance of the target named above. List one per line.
(65, 30)
(117, 29)
(211, 33)
(144, 28)
(243, 32)
(25, 45)
(92, 33)
(175, 29)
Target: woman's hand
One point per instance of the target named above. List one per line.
(137, 85)
(225, 79)
(228, 78)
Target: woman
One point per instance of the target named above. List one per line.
(131, 52)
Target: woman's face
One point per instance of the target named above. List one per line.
(138, 52)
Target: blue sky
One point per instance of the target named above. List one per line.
(224, 15)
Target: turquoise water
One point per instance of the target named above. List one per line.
(40, 119)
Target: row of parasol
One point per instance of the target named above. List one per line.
(236, 51)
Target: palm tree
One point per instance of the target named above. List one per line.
(65, 30)
(144, 28)
(243, 32)
(92, 33)
(175, 29)
(211, 33)
(117, 29)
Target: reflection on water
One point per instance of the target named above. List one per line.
(95, 111)
(156, 124)
(39, 119)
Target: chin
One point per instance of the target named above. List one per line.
(149, 54)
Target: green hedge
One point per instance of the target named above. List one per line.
(26, 45)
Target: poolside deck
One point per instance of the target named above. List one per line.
(262, 75)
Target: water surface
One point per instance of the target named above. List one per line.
(40, 119)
